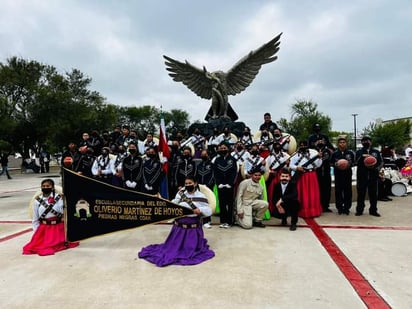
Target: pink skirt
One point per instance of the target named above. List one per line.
(309, 195)
(47, 240)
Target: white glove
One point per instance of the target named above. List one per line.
(133, 184)
(221, 186)
(228, 186)
(128, 183)
(147, 186)
(164, 160)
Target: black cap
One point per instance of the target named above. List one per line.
(366, 138)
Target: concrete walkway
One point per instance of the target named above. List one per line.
(330, 262)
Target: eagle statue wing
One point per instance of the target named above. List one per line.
(241, 75)
(194, 78)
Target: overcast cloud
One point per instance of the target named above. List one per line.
(349, 57)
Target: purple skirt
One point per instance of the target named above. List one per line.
(183, 246)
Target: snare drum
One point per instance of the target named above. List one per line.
(399, 189)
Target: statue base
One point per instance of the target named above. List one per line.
(206, 129)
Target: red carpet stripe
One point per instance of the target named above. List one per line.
(15, 222)
(362, 287)
(15, 235)
(367, 227)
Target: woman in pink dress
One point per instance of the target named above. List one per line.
(48, 226)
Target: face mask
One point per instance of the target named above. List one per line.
(151, 155)
(303, 148)
(223, 152)
(277, 148)
(246, 133)
(204, 158)
(132, 151)
(239, 148)
(186, 156)
(105, 153)
(366, 145)
(175, 146)
(190, 188)
(46, 190)
(255, 152)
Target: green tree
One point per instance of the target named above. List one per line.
(396, 134)
(176, 120)
(146, 119)
(44, 107)
(304, 116)
(141, 118)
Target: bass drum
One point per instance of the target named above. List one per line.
(399, 189)
(190, 145)
(210, 197)
(292, 143)
(155, 139)
(258, 135)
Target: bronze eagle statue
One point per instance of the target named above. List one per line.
(219, 85)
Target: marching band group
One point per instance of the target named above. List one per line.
(253, 177)
(221, 161)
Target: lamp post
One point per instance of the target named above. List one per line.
(354, 131)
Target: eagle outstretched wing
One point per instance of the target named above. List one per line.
(241, 75)
(194, 78)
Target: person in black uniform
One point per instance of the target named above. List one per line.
(367, 177)
(319, 138)
(205, 177)
(73, 153)
(343, 177)
(85, 163)
(132, 168)
(324, 175)
(152, 171)
(175, 154)
(225, 171)
(185, 167)
(268, 124)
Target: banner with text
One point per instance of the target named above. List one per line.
(95, 208)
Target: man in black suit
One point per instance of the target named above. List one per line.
(285, 198)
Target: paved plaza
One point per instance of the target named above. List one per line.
(329, 262)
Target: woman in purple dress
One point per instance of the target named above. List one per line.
(185, 244)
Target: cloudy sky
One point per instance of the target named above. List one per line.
(349, 57)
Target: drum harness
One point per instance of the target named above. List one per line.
(49, 208)
(189, 201)
(304, 165)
